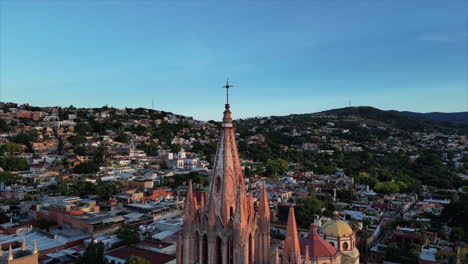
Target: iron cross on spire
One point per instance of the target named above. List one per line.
(227, 86)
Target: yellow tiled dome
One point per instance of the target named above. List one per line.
(336, 228)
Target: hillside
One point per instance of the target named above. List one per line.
(399, 120)
(458, 117)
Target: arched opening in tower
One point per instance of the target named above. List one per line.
(219, 250)
(204, 249)
(197, 247)
(230, 251)
(249, 260)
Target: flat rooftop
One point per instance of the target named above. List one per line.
(152, 256)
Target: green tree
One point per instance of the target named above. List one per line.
(276, 166)
(3, 217)
(9, 178)
(62, 188)
(366, 178)
(455, 214)
(100, 153)
(128, 234)
(94, 254)
(14, 164)
(86, 168)
(45, 223)
(151, 149)
(122, 137)
(83, 188)
(25, 137)
(106, 189)
(200, 179)
(10, 147)
(4, 127)
(387, 187)
(82, 128)
(306, 209)
(175, 148)
(81, 150)
(136, 260)
(77, 140)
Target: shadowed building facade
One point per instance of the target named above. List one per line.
(225, 228)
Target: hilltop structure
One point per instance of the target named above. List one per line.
(226, 229)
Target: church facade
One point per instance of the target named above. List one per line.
(338, 246)
(225, 229)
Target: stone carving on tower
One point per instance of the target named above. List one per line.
(225, 229)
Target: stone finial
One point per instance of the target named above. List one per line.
(277, 256)
(191, 206)
(307, 257)
(24, 246)
(202, 204)
(35, 247)
(264, 208)
(10, 253)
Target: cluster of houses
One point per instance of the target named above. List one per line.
(48, 228)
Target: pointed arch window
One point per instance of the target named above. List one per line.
(204, 249)
(250, 250)
(197, 247)
(219, 250)
(230, 250)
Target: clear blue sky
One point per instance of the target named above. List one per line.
(283, 56)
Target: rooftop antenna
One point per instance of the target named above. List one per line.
(152, 104)
(227, 86)
(349, 103)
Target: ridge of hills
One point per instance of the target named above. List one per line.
(407, 121)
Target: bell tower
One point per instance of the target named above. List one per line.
(225, 230)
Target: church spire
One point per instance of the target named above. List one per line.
(190, 204)
(227, 173)
(229, 229)
(263, 230)
(292, 251)
(264, 208)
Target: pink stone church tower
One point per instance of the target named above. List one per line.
(227, 229)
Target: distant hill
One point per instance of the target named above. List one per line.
(400, 120)
(457, 117)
